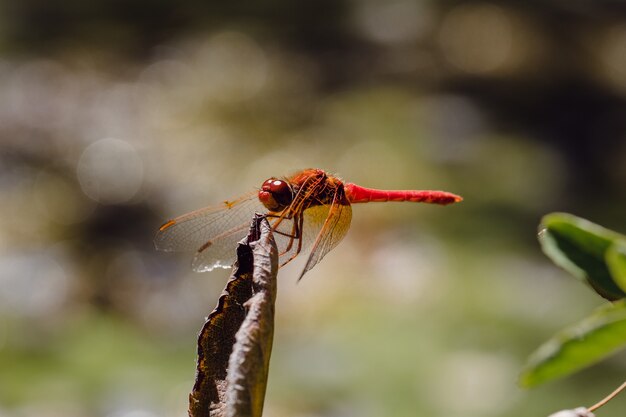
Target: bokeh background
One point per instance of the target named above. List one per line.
(116, 115)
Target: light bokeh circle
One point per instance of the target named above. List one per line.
(110, 171)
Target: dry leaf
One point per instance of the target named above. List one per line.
(235, 343)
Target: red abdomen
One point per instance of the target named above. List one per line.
(357, 194)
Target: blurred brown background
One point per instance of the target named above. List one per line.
(116, 115)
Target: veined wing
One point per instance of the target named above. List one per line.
(331, 223)
(213, 231)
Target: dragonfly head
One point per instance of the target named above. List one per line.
(275, 194)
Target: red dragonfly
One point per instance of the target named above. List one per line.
(309, 212)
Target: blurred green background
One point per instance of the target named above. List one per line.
(116, 115)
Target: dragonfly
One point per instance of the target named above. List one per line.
(309, 212)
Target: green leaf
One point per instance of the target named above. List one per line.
(579, 346)
(616, 261)
(580, 247)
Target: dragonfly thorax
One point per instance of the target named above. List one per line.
(275, 194)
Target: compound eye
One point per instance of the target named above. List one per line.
(281, 191)
(275, 194)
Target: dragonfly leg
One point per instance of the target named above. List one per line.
(298, 223)
(279, 217)
(294, 234)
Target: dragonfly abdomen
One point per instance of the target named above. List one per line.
(358, 194)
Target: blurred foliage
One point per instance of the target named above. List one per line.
(594, 255)
(586, 250)
(588, 342)
(117, 115)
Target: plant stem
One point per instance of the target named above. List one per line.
(608, 398)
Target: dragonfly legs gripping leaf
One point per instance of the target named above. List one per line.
(295, 234)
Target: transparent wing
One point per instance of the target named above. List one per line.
(213, 231)
(328, 225)
(220, 251)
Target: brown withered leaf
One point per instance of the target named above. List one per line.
(235, 343)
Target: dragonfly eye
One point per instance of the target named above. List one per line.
(275, 194)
